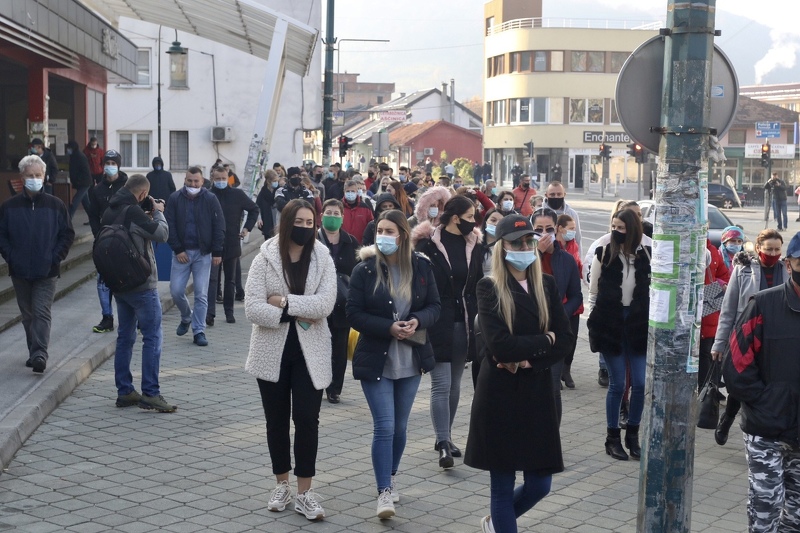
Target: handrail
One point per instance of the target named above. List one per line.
(596, 24)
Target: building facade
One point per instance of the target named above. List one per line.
(553, 82)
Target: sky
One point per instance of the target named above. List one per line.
(429, 45)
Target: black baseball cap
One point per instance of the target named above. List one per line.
(513, 227)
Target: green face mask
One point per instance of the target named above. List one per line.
(331, 223)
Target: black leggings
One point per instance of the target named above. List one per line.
(293, 395)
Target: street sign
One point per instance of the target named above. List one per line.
(380, 144)
(777, 151)
(338, 118)
(768, 130)
(392, 116)
(639, 88)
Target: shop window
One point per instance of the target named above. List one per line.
(617, 60)
(178, 150)
(134, 148)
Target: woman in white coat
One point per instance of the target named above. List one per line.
(291, 290)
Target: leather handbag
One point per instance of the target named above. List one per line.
(708, 399)
(419, 338)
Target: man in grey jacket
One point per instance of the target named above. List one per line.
(145, 221)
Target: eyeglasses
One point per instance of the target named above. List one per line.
(523, 242)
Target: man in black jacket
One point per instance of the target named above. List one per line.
(762, 371)
(50, 160)
(80, 177)
(35, 236)
(161, 183)
(293, 190)
(234, 203)
(99, 197)
(197, 237)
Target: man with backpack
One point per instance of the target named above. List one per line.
(139, 304)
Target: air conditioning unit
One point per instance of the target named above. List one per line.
(428, 151)
(221, 134)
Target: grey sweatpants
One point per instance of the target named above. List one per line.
(35, 298)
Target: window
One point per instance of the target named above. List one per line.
(489, 24)
(737, 136)
(498, 66)
(586, 111)
(524, 110)
(540, 62)
(143, 66)
(520, 62)
(499, 112)
(595, 111)
(95, 113)
(588, 61)
(539, 110)
(528, 110)
(380, 100)
(617, 60)
(556, 111)
(179, 71)
(614, 114)
(579, 60)
(577, 110)
(557, 61)
(513, 110)
(597, 61)
(178, 150)
(135, 150)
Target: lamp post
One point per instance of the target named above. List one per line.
(175, 49)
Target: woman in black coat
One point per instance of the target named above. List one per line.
(523, 330)
(392, 296)
(343, 248)
(455, 249)
(266, 204)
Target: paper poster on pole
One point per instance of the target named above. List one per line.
(666, 254)
(693, 361)
(662, 305)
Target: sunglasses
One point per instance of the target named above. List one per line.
(527, 241)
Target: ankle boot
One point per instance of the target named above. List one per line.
(632, 441)
(724, 426)
(567, 378)
(614, 445)
(445, 455)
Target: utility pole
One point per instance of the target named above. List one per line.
(678, 265)
(327, 97)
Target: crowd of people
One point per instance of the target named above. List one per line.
(428, 276)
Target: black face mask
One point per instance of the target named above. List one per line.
(618, 236)
(796, 276)
(555, 203)
(318, 177)
(294, 181)
(301, 236)
(465, 227)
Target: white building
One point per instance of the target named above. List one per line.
(210, 86)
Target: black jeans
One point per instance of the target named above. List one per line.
(339, 338)
(705, 361)
(574, 324)
(228, 267)
(293, 395)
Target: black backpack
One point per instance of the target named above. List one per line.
(121, 266)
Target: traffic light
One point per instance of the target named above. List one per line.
(345, 144)
(605, 151)
(766, 154)
(636, 150)
(632, 149)
(529, 148)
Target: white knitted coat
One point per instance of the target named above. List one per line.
(266, 279)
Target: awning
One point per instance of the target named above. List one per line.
(245, 25)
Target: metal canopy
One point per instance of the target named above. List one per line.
(245, 25)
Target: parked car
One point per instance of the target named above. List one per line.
(717, 220)
(722, 196)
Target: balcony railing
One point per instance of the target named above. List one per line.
(595, 24)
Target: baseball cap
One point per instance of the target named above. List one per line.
(793, 250)
(513, 227)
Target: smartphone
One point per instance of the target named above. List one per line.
(304, 325)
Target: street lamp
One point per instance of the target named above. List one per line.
(175, 49)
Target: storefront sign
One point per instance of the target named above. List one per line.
(777, 151)
(392, 116)
(608, 137)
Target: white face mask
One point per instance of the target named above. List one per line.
(193, 190)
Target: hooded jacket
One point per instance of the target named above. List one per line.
(161, 183)
(371, 311)
(79, 174)
(95, 157)
(143, 230)
(429, 199)
(427, 240)
(369, 231)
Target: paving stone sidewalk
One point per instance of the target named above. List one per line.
(92, 467)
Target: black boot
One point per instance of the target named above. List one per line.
(632, 441)
(567, 378)
(614, 445)
(445, 456)
(602, 377)
(724, 426)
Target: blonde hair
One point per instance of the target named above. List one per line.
(505, 300)
(403, 289)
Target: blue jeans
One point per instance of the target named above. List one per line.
(508, 503)
(144, 308)
(199, 266)
(616, 382)
(390, 402)
(104, 295)
(780, 210)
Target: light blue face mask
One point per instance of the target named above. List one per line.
(520, 260)
(733, 248)
(350, 196)
(490, 229)
(494, 191)
(569, 235)
(220, 184)
(275, 184)
(386, 244)
(110, 170)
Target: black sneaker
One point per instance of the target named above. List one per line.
(240, 296)
(230, 319)
(29, 363)
(39, 363)
(106, 325)
(210, 321)
(200, 339)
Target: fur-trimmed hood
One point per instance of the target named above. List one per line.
(428, 199)
(744, 258)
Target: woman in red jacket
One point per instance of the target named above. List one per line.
(716, 272)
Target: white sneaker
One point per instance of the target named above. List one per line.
(486, 524)
(307, 505)
(395, 494)
(280, 497)
(385, 505)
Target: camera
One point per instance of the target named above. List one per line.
(147, 204)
